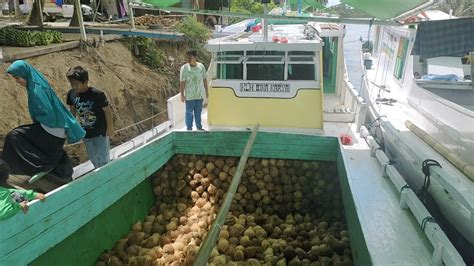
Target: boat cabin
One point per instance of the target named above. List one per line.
(277, 80)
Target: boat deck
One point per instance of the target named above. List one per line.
(392, 235)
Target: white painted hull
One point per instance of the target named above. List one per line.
(447, 122)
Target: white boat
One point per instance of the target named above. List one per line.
(432, 90)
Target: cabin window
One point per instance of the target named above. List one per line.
(230, 53)
(230, 71)
(265, 53)
(229, 66)
(301, 66)
(265, 72)
(265, 67)
(301, 72)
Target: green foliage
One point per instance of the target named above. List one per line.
(248, 6)
(194, 31)
(150, 54)
(25, 38)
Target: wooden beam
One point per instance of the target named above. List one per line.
(210, 241)
(78, 9)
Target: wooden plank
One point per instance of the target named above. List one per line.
(36, 51)
(78, 188)
(213, 143)
(277, 146)
(283, 151)
(210, 241)
(176, 36)
(82, 211)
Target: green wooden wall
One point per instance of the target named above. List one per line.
(84, 218)
(360, 253)
(86, 245)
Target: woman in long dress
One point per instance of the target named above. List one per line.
(38, 147)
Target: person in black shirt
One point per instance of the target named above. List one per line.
(92, 108)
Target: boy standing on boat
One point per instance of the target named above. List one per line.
(193, 88)
(13, 200)
(92, 108)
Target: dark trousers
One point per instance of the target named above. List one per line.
(29, 149)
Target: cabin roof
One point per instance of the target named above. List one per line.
(251, 41)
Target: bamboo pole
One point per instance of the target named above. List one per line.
(78, 9)
(462, 165)
(210, 241)
(130, 15)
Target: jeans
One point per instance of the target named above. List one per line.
(193, 107)
(98, 149)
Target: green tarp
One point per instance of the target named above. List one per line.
(384, 9)
(162, 3)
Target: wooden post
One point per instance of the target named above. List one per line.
(131, 16)
(210, 241)
(78, 8)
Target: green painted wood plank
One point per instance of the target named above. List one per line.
(262, 153)
(53, 235)
(71, 192)
(85, 245)
(263, 137)
(258, 145)
(290, 147)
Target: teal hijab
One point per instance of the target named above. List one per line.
(43, 104)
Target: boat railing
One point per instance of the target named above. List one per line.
(350, 97)
(125, 148)
(176, 110)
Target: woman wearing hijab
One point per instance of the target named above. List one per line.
(38, 147)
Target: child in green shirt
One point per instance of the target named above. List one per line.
(13, 200)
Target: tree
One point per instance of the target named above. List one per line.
(36, 14)
(461, 8)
